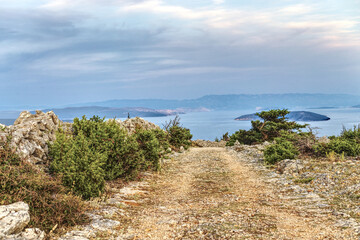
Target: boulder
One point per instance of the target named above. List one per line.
(13, 218)
(31, 133)
(324, 140)
(131, 124)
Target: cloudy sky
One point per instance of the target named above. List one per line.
(65, 51)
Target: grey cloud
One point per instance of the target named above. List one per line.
(75, 62)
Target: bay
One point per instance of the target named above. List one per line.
(209, 125)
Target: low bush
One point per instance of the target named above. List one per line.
(339, 145)
(50, 203)
(245, 137)
(351, 134)
(302, 141)
(281, 150)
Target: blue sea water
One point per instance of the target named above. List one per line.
(209, 125)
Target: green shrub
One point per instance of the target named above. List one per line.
(149, 147)
(124, 159)
(271, 125)
(178, 135)
(98, 150)
(50, 203)
(281, 150)
(351, 134)
(245, 137)
(163, 138)
(79, 164)
(339, 145)
(303, 141)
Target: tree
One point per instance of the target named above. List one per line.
(272, 124)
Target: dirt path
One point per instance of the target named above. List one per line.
(208, 193)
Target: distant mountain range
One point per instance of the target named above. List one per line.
(161, 107)
(238, 101)
(302, 116)
(110, 112)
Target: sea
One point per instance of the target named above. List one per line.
(213, 124)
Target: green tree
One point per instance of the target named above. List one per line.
(271, 125)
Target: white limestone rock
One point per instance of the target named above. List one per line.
(13, 218)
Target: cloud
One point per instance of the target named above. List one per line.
(215, 44)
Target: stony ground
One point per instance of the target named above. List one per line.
(214, 193)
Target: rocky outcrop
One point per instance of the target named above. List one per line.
(13, 219)
(131, 124)
(31, 133)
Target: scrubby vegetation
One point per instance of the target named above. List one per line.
(82, 158)
(273, 123)
(348, 143)
(51, 204)
(289, 140)
(178, 135)
(280, 150)
(97, 150)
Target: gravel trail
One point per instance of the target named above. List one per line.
(209, 193)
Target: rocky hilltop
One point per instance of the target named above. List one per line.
(31, 133)
(217, 192)
(302, 116)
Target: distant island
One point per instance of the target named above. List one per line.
(302, 116)
(214, 102)
(111, 112)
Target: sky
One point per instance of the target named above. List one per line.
(55, 52)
